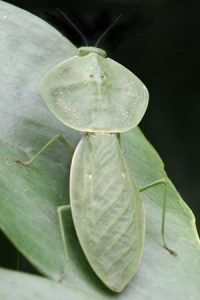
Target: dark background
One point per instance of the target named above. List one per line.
(159, 40)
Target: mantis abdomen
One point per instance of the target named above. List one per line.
(107, 209)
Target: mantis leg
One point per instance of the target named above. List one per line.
(153, 184)
(60, 211)
(18, 260)
(57, 137)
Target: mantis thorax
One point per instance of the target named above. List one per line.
(82, 51)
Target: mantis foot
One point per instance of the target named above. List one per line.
(62, 277)
(19, 161)
(172, 252)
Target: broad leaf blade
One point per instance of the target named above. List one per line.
(19, 100)
(21, 286)
(30, 195)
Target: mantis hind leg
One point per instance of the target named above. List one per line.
(18, 260)
(57, 137)
(153, 184)
(60, 210)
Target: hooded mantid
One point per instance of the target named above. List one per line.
(96, 95)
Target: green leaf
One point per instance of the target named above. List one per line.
(20, 286)
(29, 195)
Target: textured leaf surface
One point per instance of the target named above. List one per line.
(107, 209)
(20, 286)
(29, 195)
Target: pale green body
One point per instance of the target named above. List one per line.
(97, 95)
(107, 209)
(94, 94)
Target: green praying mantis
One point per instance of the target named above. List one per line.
(96, 95)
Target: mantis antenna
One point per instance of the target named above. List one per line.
(73, 25)
(106, 31)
